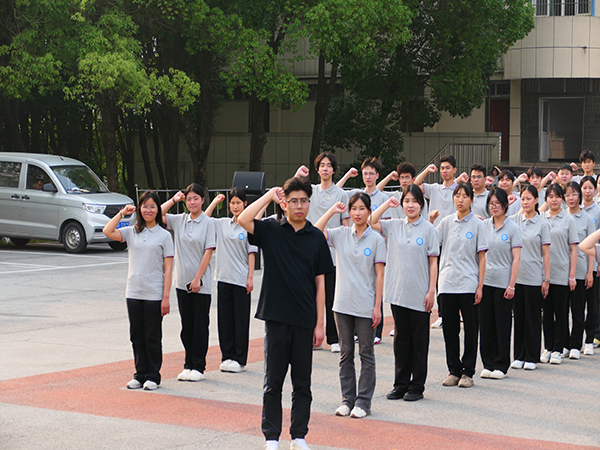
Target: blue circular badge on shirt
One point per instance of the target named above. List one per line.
(419, 241)
(505, 237)
(241, 236)
(469, 235)
(367, 252)
(373, 207)
(594, 220)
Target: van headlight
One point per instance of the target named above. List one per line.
(94, 209)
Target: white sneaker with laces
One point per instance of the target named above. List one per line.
(196, 375)
(377, 340)
(546, 355)
(556, 358)
(588, 349)
(517, 364)
(236, 367)
(565, 353)
(299, 444)
(437, 323)
(343, 410)
(335, 348)
(574, 354)
(272, 445)
(393, 332)
(530, 366)
(224, 367)
(185, 375)
(150, 385)
(358, 413)
(485, 373)
(134, 384)
(497, 375)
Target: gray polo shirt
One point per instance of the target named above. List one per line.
(192, 239)
(577, 178)
(536, 234)
(320, 202)
(147, 251)
(594, 211)
(584, 226)
(462, 240)
(562, 234)
(440, 198)
(409, 247)
(377, 197)
(478, 206)
(233, 249)
(499, 257)
(398, 213)
(355, 270)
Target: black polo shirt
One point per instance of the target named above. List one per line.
(292, 261)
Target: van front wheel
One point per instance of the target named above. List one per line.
(73, 238)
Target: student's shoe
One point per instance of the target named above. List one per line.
(497, 375)
(450, 380)
(437, 323)
(530, 366)
(588, 349)
(596, 342)
(377, 340)
(546, 355)
(356, 339)
(235, 367)
(318, 347)
(556, 358)
(413, 396)
(517, 364)
(150, 385)
(574, 354)
(272, 445)
(343, 410)
(299, 444)
(185, 375)
(335, 348)
(465, 382)
(565, 353)
(224, 367)
(395, 394)
(134, 384)
(393, 332)
(196, 375)
(485, 373)
(358, 413)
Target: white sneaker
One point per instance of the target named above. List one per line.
(588, 349)
(196, 375)
(530, 366)
(574, 354)
(272, 445)
(356, 339)
(377, 340)
(236, 367)
(343, 410)
(485, 373)
(134, 384)
(497, 375)
(358, 413)
(437, 323)
(150, 385)
(224, 367)
(299, 444)
(545, 358)
(185, 375)
(565, 353)
(556, 358)
(393, 332)
(335, 348)
(517, 364)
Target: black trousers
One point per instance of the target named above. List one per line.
(528, 323)
(495, 327)
(145, 333)
(233, 320)
(287, 345)
(555, 318)
(576, 304)
(194, 310)
(411, 348)
(330, 327)
(454, 306)
(591, 317)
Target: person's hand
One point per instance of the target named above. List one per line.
(522, 178)
(352, 172)
(574, 166)
(589, 280)
(511, 199)
(249, 285)
(393, 202)
(165, 306)
(376, 317)
(433, 215)
(545, 288)
(195, 285)
(509, 293)
(432, 168)
(552, 176)
(489, 180)
(178, 197)
(463, 178)
(395, 175)
(302, 172)
(128, 210)
(278, 196)
(478, 295)
(339, 208)
(219, 198)
(572, 284)
(429, 299)
(318, 336)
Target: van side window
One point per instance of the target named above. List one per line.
(37, 178)
(9, 174)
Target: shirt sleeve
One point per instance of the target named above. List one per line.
(441, 230)
(380, 252)
(324, 262)
(345, 200)
(126, 233)
(433, 243)
(573, 238)
(211, 236)
(168, 250)
(428, 190)
(334, 234)
(172, 220)
(261, 228)
(545, 233)
(517, 237)
(386, 226)
(482, 239)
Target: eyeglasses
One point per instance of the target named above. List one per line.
(294, 202)
(149, 207)
(495, 205)
(476, 177)
(369, 174)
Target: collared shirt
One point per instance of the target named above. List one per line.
(584, 226)
(577, 178)
(377, 197)
(594, 211)
(440, 198)
(562, 235)
(192, 238)
(462, 240)
(536, 234)
(499, 257)
(478, 207)
(232, 252)
(293, 259)
(409, 247)
(398, 213)
(147, 251)
(355, 269)
(514, 208)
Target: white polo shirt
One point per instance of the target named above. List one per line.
(440, 198)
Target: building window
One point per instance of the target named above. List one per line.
(562, 7)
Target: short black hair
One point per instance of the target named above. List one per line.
(565, 167)
(575, 186)
(331, 157)
(535, 170)
(449, 159)
(362, 196)
(501, 196)
(507, 173)
(406, 167)
(371, 162)
(585, 155)
(466, 188)
(239, 193)
(416, 192)
(195, 188)
(479, 168)
(141, 222)
(533, 191)
(590, 179)
(297, 184)
(557, 189)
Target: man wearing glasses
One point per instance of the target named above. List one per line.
(480, 192)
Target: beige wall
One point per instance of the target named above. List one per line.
(475, 123)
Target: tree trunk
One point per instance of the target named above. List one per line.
(109, 128)
(144, 151)
(258, 111)
(13, 108)
(169, 132)
(157, 157)
(324, 96)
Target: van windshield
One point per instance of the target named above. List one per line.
(79, 180)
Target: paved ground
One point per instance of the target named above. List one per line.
(65, 358)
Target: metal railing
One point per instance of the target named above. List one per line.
(467, 154)
(563, 7)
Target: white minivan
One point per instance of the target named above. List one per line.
(56, 198)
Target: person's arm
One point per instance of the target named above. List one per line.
(165, 306)
(393, 175)
(462, 178)
(546, 259)
(203, 266)
(379, 269)
(346, 222)
(479, 292)
(589, 277)
(520, 179)
(433, 273)
(431, 168)
(588, 245)
(319, 332)
(572, 266)
(246, 218)
(110, 229)
(350, 174)
(514, 273)
(543, 208)
(433, 215)
(164, 208)
(302, 172)
(338, 208)
(550, 177)
(218, 199)
(250, 280)
(391, 202)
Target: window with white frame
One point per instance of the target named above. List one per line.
(562, 7)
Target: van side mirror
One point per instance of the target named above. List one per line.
(49, 187)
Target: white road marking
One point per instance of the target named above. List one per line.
(63, 267)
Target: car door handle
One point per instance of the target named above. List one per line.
(25, 197)
(16, 196)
